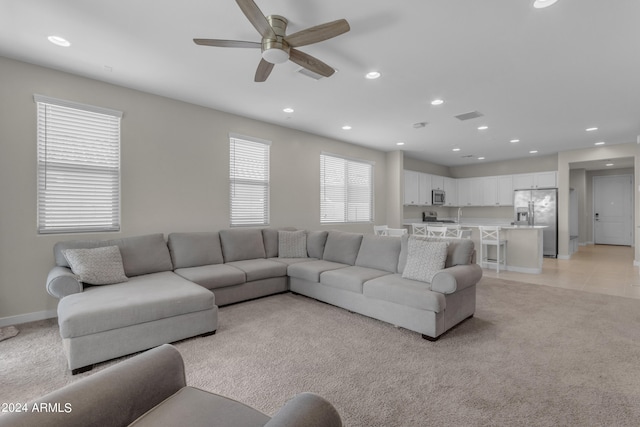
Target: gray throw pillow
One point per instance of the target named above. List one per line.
(97, 266)
(292, 244)
(424, 259)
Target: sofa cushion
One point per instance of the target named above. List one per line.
(316, 241)
(311, 270)
(213, 276)
(350, 278)
(289, 261)
(292, 244)
(393, 288)
(194, 407)
(97, 266)
(257, 269)
(459, 251)
(342, 247)
(142, 299)
(380, 252)
(140, 254)
(240, 244)
(195, 249)
(424, 259)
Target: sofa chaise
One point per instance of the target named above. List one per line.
(171, 289)
(150, 390)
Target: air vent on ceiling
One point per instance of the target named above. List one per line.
(468, 116)
(420, 125)
(309, 73)
(467, 156)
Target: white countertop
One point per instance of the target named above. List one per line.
(478, 222)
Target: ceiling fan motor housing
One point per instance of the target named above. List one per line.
(276, 51)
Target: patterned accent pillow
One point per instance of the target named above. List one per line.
(97, 266)
(424, 259)
(292, 244)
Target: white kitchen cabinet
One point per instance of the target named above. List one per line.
(424, 189)
(470, 192)
(437, 182)
(450, 191)
(417, 188)
(535, 180)
(505, 190)
(489, 190)
(411, 187)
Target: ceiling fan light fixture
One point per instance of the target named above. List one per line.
(275, 55)
(541, 4)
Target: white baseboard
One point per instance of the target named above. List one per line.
(564, 256)
(636, 263)
(28, 317)
(524, 270)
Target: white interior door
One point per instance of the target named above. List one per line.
(612, 210)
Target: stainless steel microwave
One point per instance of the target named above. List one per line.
(437, 197)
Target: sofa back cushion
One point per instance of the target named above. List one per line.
(239, 244)
(459, 251)
(342, 247)
(195, 249)
(140, 254)
(316, 241)
(379, 252)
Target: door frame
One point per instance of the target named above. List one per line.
(631, 210)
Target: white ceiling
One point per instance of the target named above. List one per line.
(539, 75)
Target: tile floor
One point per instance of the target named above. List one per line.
(600, 269)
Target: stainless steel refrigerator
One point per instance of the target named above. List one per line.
(539, 207)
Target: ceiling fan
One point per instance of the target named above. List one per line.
(278, 47)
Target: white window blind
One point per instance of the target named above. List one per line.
(346, 190)
(249, 181)
(78, 167)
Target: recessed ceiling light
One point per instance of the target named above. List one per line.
(599, 143)
(609, 164)
(372, 75)
(399, 143)
(540, 4)
(533, 151)
(346, 127)
(437, 102)
(480, 158)
(456, 149)
(513, 141)
(591, 129)
(288, 110)
(57, 40)
(483, 127)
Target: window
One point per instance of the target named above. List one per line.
(346, 190)
(78, 167)
(249, 180)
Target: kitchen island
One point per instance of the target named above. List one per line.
(524, 243)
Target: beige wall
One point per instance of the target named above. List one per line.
(524, 165)
(174, 173)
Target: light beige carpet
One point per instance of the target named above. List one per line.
(531, 356)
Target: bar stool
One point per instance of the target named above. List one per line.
(381, 230)
(433, 231)
(397, 231)
(419, 229)
(490, 236)
(453, 230)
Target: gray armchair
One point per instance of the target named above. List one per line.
(150, 390)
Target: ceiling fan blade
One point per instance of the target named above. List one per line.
(263, 71)
(310, 63)
(226, 43)
(257, 18)
(318, 33)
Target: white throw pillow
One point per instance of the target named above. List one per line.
(424, 259)
(97, 266)
(292, 244)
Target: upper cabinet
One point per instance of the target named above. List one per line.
(450, 191)
(470, 192)
(535, 180)
(417, 188)
(437, 182)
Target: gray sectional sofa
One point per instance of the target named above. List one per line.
(172, 289)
